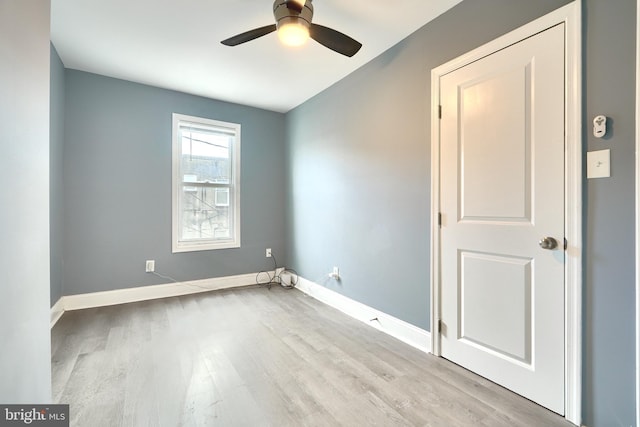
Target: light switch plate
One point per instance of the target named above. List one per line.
(599, 164)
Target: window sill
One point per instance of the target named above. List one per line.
(196, 247)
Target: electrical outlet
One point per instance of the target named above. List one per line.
(268, 253)
(335, 274)
(150, 266)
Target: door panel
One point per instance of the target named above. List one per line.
(508, 332)
(502, 190)
(489, 145)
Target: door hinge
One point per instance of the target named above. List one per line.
(566, 244)
(440, 219)
(439, 326)
(439, 111)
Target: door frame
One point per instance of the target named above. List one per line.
(570, 15)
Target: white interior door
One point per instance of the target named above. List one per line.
(502, 191)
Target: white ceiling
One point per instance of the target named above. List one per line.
(176, 44)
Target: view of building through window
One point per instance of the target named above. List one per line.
(205, 161)
(206, 196)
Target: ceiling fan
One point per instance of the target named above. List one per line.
(293, 22)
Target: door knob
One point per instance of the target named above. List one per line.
(548, 243)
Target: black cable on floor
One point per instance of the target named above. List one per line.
(264, 278)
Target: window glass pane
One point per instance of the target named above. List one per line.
(205, 156)
(202, 217)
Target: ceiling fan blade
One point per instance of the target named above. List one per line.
(334, 40)
(249, 35)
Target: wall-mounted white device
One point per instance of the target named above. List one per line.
(599, 126)
(285, 279)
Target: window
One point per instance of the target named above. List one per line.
(222, 197)
(206, 184)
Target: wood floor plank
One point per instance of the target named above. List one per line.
(259, 357)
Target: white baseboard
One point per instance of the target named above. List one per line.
(405, 332)
(144, 293)
(390, 325)
(57, 311)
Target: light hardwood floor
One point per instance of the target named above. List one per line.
(258, 357)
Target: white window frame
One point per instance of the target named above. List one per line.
(177, 183)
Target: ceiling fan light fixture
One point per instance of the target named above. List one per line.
(293, 33)
(294, 26)
(297, 5)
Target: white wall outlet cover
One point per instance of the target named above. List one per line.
(599, 164)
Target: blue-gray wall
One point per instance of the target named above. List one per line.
(355, 176)
(25, 344)
(609, 356)
(117, 185)
(359, 175)
(359, 163)
(56, 196)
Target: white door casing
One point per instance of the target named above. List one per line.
(511, 339)
(502, 190)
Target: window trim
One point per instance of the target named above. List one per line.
(176, 185)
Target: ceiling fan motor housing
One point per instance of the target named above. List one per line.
(287, 14)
